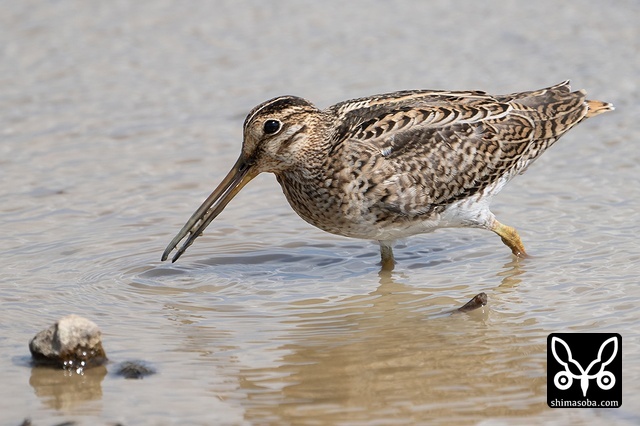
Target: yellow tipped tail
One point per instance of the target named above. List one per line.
(597, 107)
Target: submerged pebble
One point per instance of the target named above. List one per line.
(478, 301)
(134, 370)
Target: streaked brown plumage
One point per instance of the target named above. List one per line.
(389, 166)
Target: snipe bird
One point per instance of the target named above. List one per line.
(390, 166)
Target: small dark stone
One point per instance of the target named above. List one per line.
(73, 343)
(478, 301)
(134, 370)
(27, 422)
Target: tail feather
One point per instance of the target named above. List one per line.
(597, 107)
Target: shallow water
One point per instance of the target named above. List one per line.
(119, 118)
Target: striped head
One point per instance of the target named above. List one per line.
(277, 133)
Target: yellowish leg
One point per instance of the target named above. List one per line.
(386, 256)
(510, 237)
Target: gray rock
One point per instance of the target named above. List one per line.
(134, 369)
(72, 343)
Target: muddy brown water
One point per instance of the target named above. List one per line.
(118, 118)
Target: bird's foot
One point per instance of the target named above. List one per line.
(510, 238)
(387, 260)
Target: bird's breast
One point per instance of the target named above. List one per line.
(329, 204)
(351, 206)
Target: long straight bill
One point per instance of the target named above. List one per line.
(236, 179)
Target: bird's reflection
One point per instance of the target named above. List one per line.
(395, 352)
(388, 354)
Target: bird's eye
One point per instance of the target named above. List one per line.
(272, 126)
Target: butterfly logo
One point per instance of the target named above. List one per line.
(564, 379)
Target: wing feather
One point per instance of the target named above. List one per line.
(439, 147)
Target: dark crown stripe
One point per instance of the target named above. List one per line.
(276, 104)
